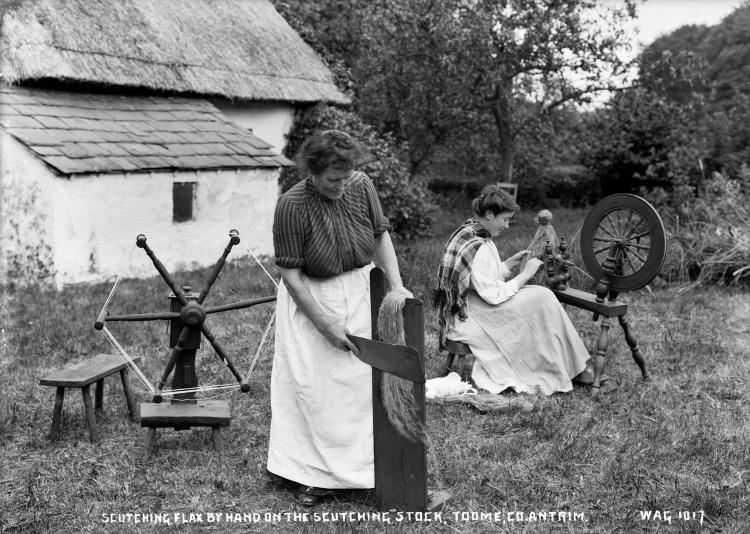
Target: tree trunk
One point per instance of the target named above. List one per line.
(502, 112)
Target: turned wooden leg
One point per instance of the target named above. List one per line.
(128, 395)
(449, 363)
(90, 417)
(463, 368)
(99, 395)
(148, 444)
(600, 357)
(217, 439)
(57, 412)
(630, 339)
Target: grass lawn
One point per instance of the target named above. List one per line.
(679, 443)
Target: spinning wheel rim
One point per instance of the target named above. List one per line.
(595, 237)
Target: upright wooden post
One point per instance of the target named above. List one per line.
(400, 464)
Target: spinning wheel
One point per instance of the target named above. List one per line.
(188, 318)
(627, 230)
(623, 246)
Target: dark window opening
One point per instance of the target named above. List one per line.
(182, 201)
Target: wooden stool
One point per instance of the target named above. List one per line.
(82, 375)
(456, 348)
(182, 416)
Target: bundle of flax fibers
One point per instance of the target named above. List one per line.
(398, 393)
(545, 233)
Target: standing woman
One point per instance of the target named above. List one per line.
(519, 334)
(326, 231)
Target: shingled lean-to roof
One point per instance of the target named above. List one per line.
(239, 49)
(79, 133)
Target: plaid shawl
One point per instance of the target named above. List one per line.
(454, 273)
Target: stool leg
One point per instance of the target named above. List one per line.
(449, 363)
(148, 444)
(57, 412)
(217, 439)
(465, 369)
(99, 395)
(128, 395)
(460, 365)
(90, 417)
(630, 339)
(601, 351)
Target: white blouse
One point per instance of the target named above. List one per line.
(489, 275)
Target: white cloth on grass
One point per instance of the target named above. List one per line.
(321, 397)
(450, 384)
(521, 337)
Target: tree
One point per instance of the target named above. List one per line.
(725, 47)
(657, 132)
(428, 67)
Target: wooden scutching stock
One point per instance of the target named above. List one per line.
(400, 464)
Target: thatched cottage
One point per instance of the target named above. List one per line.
(120, 117)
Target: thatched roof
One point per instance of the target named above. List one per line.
(82, 133)
(239, 49)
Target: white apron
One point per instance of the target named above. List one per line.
(321, 397)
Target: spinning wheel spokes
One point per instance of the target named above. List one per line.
(627, 229)
(190, 320)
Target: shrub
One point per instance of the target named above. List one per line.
(708, 231)
(571, 186)
(406, 200)
(456, 188)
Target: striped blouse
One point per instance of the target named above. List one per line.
(327, 237)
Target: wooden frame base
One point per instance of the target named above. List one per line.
(183, 416)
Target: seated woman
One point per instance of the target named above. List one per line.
(520, 335)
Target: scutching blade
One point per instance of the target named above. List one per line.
(399, 360)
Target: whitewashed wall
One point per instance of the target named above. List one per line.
(100, 237)
(92, 221)
(270, 122)
(27, 205)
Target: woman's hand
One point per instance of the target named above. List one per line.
(516, 259)
(336, 336)
(386, 256)
(403, 291)
(532, 266)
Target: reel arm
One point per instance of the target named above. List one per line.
(166, 316)
(240, 305)
(234, 238)
(140, 242)
(244, 386)
(176, 351)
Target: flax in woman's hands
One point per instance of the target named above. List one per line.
(545, 233)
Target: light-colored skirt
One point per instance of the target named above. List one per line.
(527, 343)
(321, 397)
